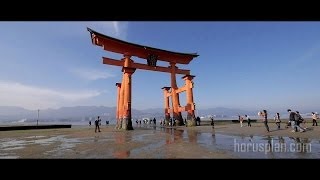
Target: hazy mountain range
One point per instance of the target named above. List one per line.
(9, 113)
(86, 113)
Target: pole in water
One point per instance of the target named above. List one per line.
(38, 117)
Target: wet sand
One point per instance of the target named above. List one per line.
(148, 142)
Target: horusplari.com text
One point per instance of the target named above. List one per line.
(271, 146)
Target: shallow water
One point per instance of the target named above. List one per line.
(153, 143)
(9, 144)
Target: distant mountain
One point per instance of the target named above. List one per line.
(86, 113)
(77, 113)
(224, 112)
(13, 113)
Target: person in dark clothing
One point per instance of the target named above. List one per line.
(212, 122)
(291, 120)
(198, 121)
(264, 115)
(97, 124)
(298, 121)
(89, 123)
(248, 119)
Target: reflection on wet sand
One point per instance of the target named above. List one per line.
(302, 145)
(213, 134)
(120, 150)
(193, 135)
(178, 135)
(168, 136)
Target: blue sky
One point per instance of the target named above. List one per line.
(245, 65)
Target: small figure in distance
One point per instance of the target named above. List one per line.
(248, 119)
(212, 122)
(97, 124)
(314, 119)
(277, 119)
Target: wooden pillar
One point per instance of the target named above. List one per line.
(190, 103)
(121, 99)
(118, 104)
(166, 105)
(175, 96)
(127, 72)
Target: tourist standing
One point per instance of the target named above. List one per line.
(248, 120)
(97, 124)
(291, 120)
(314, 119)
(212, 123)
(277, 120)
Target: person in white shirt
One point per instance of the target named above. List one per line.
(314, 119)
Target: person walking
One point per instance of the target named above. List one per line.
(291, 120)
(298, 121)
(212, 122)
(277, 120)
(248, 120)
(241, 121)
(314, 119)
(97, 124)
(264, 115)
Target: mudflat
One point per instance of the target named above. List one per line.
(152, 142)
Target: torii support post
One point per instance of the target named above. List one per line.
(121, 104)
(127, 118)
(118, 106)
(175, 96)
(166, 96)
(191, 120)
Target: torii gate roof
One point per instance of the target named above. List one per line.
(119, 46)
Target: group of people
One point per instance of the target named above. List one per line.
(97, 124)
(241, 119)
(295, 120)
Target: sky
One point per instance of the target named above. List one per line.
(246, 65)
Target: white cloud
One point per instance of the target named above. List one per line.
(91, 74)
(31, 97)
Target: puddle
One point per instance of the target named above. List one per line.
(9, 157)
(246, 146)
(30, 137)
(12, 148)
(8, 144)
(261, 146)
(150, 148)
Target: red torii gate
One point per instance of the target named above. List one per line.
(151, 54)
